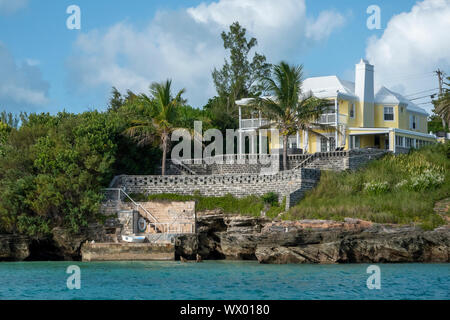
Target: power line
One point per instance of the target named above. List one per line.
(427, 96)
(410, 75)
(413, 94)
(407, 79)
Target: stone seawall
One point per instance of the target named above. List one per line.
(283, 183)
(127, 252)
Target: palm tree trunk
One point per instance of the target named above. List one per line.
(285, 143)
(164, 155)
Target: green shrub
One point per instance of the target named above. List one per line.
(426, 180)
(376, 187)
(250, 205)
(394, 189)
(270, 198)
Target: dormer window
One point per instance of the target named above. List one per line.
(388, 113)
(352, 109)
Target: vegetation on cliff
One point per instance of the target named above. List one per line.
(228, 204)
(52, 169)
(395, 189)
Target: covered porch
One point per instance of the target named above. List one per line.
(370, 138)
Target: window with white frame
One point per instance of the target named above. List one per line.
(399, 141)
(352, 109)
(332, 144)
(323, 144)
(388, 113)
(413, 122)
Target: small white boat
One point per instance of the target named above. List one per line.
(135, 239)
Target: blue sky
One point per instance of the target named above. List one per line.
(129, 44)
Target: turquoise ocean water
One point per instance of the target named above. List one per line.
(221, 280)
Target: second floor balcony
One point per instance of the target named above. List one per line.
(326, 118)
(251, 124)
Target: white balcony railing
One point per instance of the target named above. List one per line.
(326, 118)
(253, 123)
(330, 118)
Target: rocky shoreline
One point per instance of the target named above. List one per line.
(313, 241)
(235, 237)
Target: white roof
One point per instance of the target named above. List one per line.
(327, 87)
(332, 86)
(386, 96)
(244, 102)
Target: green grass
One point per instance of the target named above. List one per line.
(250, 206)
(396, 189)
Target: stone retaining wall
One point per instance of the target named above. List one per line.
(345, 160)
(239, 185)
(244, 177)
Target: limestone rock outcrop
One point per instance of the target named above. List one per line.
(14, 248)
(312, 241)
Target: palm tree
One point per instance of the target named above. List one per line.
(161, 111)
(442, 106)
(287, 107)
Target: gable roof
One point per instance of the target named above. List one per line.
(384, 95)
(327, 87)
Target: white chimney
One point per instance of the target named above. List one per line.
(364, 90)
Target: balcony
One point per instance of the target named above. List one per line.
(330, 118)
(249, 124)
(326, 118)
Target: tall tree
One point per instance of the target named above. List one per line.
(288, 109)
(239, 78)
(118, 100)
(161, 114)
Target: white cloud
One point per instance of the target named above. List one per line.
(21, 85)
(414, 44)
(278, 25)
(185, 45)
(11, 6)
(325, 24)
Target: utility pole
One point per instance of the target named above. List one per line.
(440, 75)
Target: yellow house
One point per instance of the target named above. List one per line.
(364, 118)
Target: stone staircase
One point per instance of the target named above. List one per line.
(118, 203)
(161, 224)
